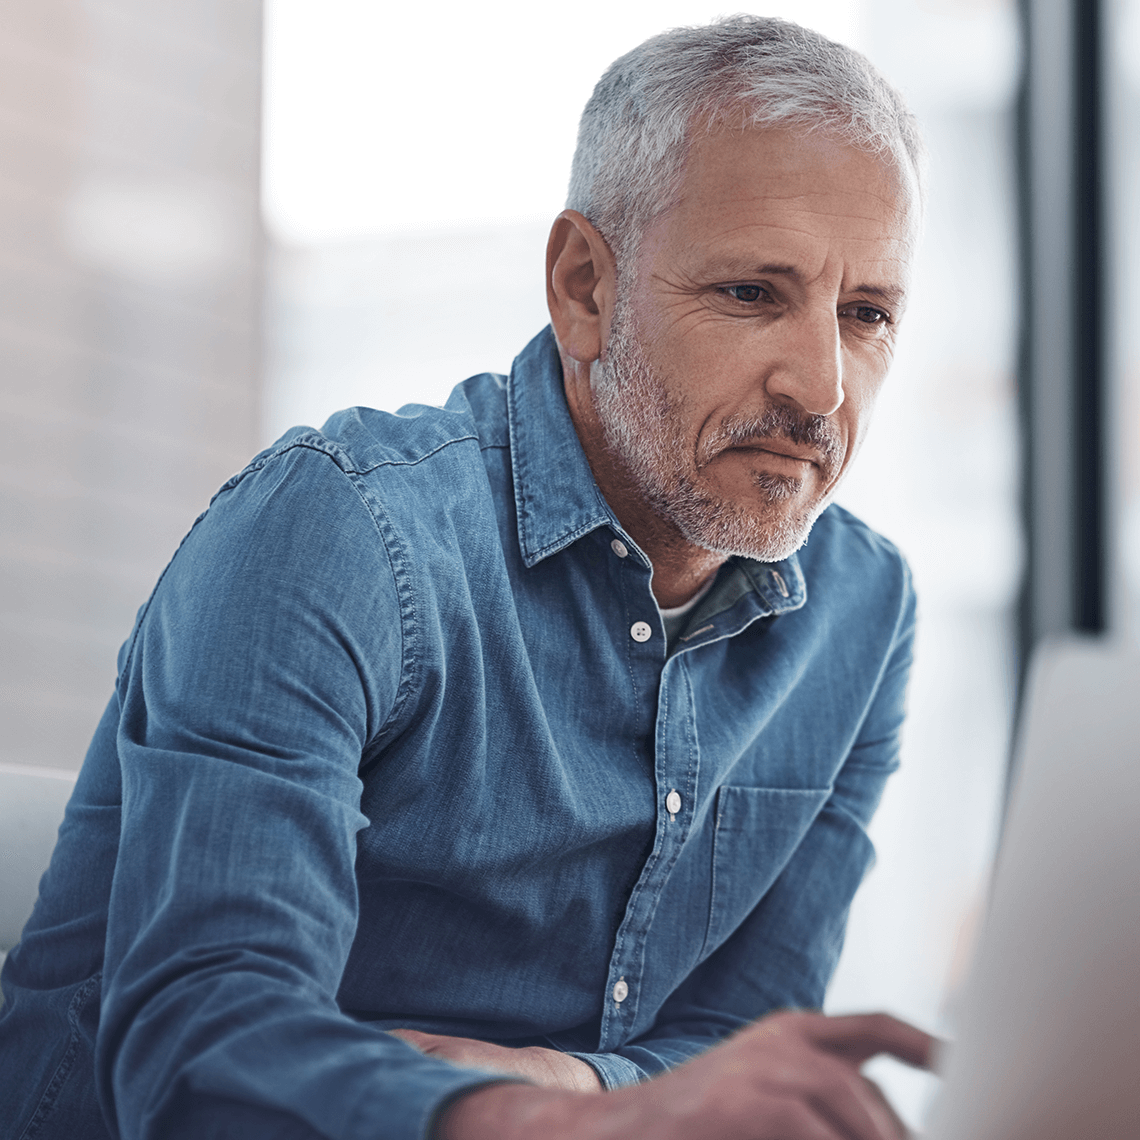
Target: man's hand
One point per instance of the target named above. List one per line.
(790, 1076)
(547, 1068)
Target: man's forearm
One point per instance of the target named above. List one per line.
(790, 1076)
(547, 1068)
(521, 1112)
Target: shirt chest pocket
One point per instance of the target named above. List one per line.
(756, 832)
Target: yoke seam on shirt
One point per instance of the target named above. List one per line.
(257, 464)
(333, 454)
(314, 441)
(412, 462)
(406, 596)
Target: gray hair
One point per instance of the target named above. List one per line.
(742, 71)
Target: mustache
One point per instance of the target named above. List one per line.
(816, 433)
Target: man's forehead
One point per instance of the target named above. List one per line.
(761, 200)
(798, 147)
(802, 165)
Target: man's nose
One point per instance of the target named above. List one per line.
(808, 368)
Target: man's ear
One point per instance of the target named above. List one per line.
(581, 278)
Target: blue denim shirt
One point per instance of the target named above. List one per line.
(385, 751)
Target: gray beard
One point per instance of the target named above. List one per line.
(644, 431)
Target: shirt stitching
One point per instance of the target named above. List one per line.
(401, 580)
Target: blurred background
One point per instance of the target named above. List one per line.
(220, 219)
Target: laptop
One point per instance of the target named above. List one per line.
(1048, 1030)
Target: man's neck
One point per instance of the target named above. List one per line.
(680, 568)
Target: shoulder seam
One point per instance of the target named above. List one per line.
(314, 441)
(403, 594)
(405, 597)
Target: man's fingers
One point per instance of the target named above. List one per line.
(814, 1059)
(877, 1092)
(801, 1120)
(856, 1106)
(861, 1036)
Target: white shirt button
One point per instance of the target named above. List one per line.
(619, 548)
(640, 631)
(621, 990)
(673, 802)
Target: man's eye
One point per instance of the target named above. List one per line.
(744, 292)
(869, 315)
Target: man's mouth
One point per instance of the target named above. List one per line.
(781, 448)
(782, 433)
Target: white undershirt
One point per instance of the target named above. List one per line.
(674, 617)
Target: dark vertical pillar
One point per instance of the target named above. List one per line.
(1090, 553)
(1062, 368)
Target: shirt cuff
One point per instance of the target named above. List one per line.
(613, 1071)
(423, 1100)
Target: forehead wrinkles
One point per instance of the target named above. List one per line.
(769, 185)
(789, 164)
(795, 220)
(843, 203)
(751, 226)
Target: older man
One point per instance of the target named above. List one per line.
(471, 766)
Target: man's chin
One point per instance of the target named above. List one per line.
(771, 538)
(775, 550)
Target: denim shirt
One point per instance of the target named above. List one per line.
(398, 741)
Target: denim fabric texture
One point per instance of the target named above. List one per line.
(385, 750)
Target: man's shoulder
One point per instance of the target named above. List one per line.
(428, 443)
(422, 478)
(843, 546)
(361, 439)
(839, 525)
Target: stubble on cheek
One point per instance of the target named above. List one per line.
(645, 430)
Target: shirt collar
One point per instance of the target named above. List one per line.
(557, 500)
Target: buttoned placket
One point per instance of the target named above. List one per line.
(676, 765)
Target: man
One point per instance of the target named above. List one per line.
(471, 766)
